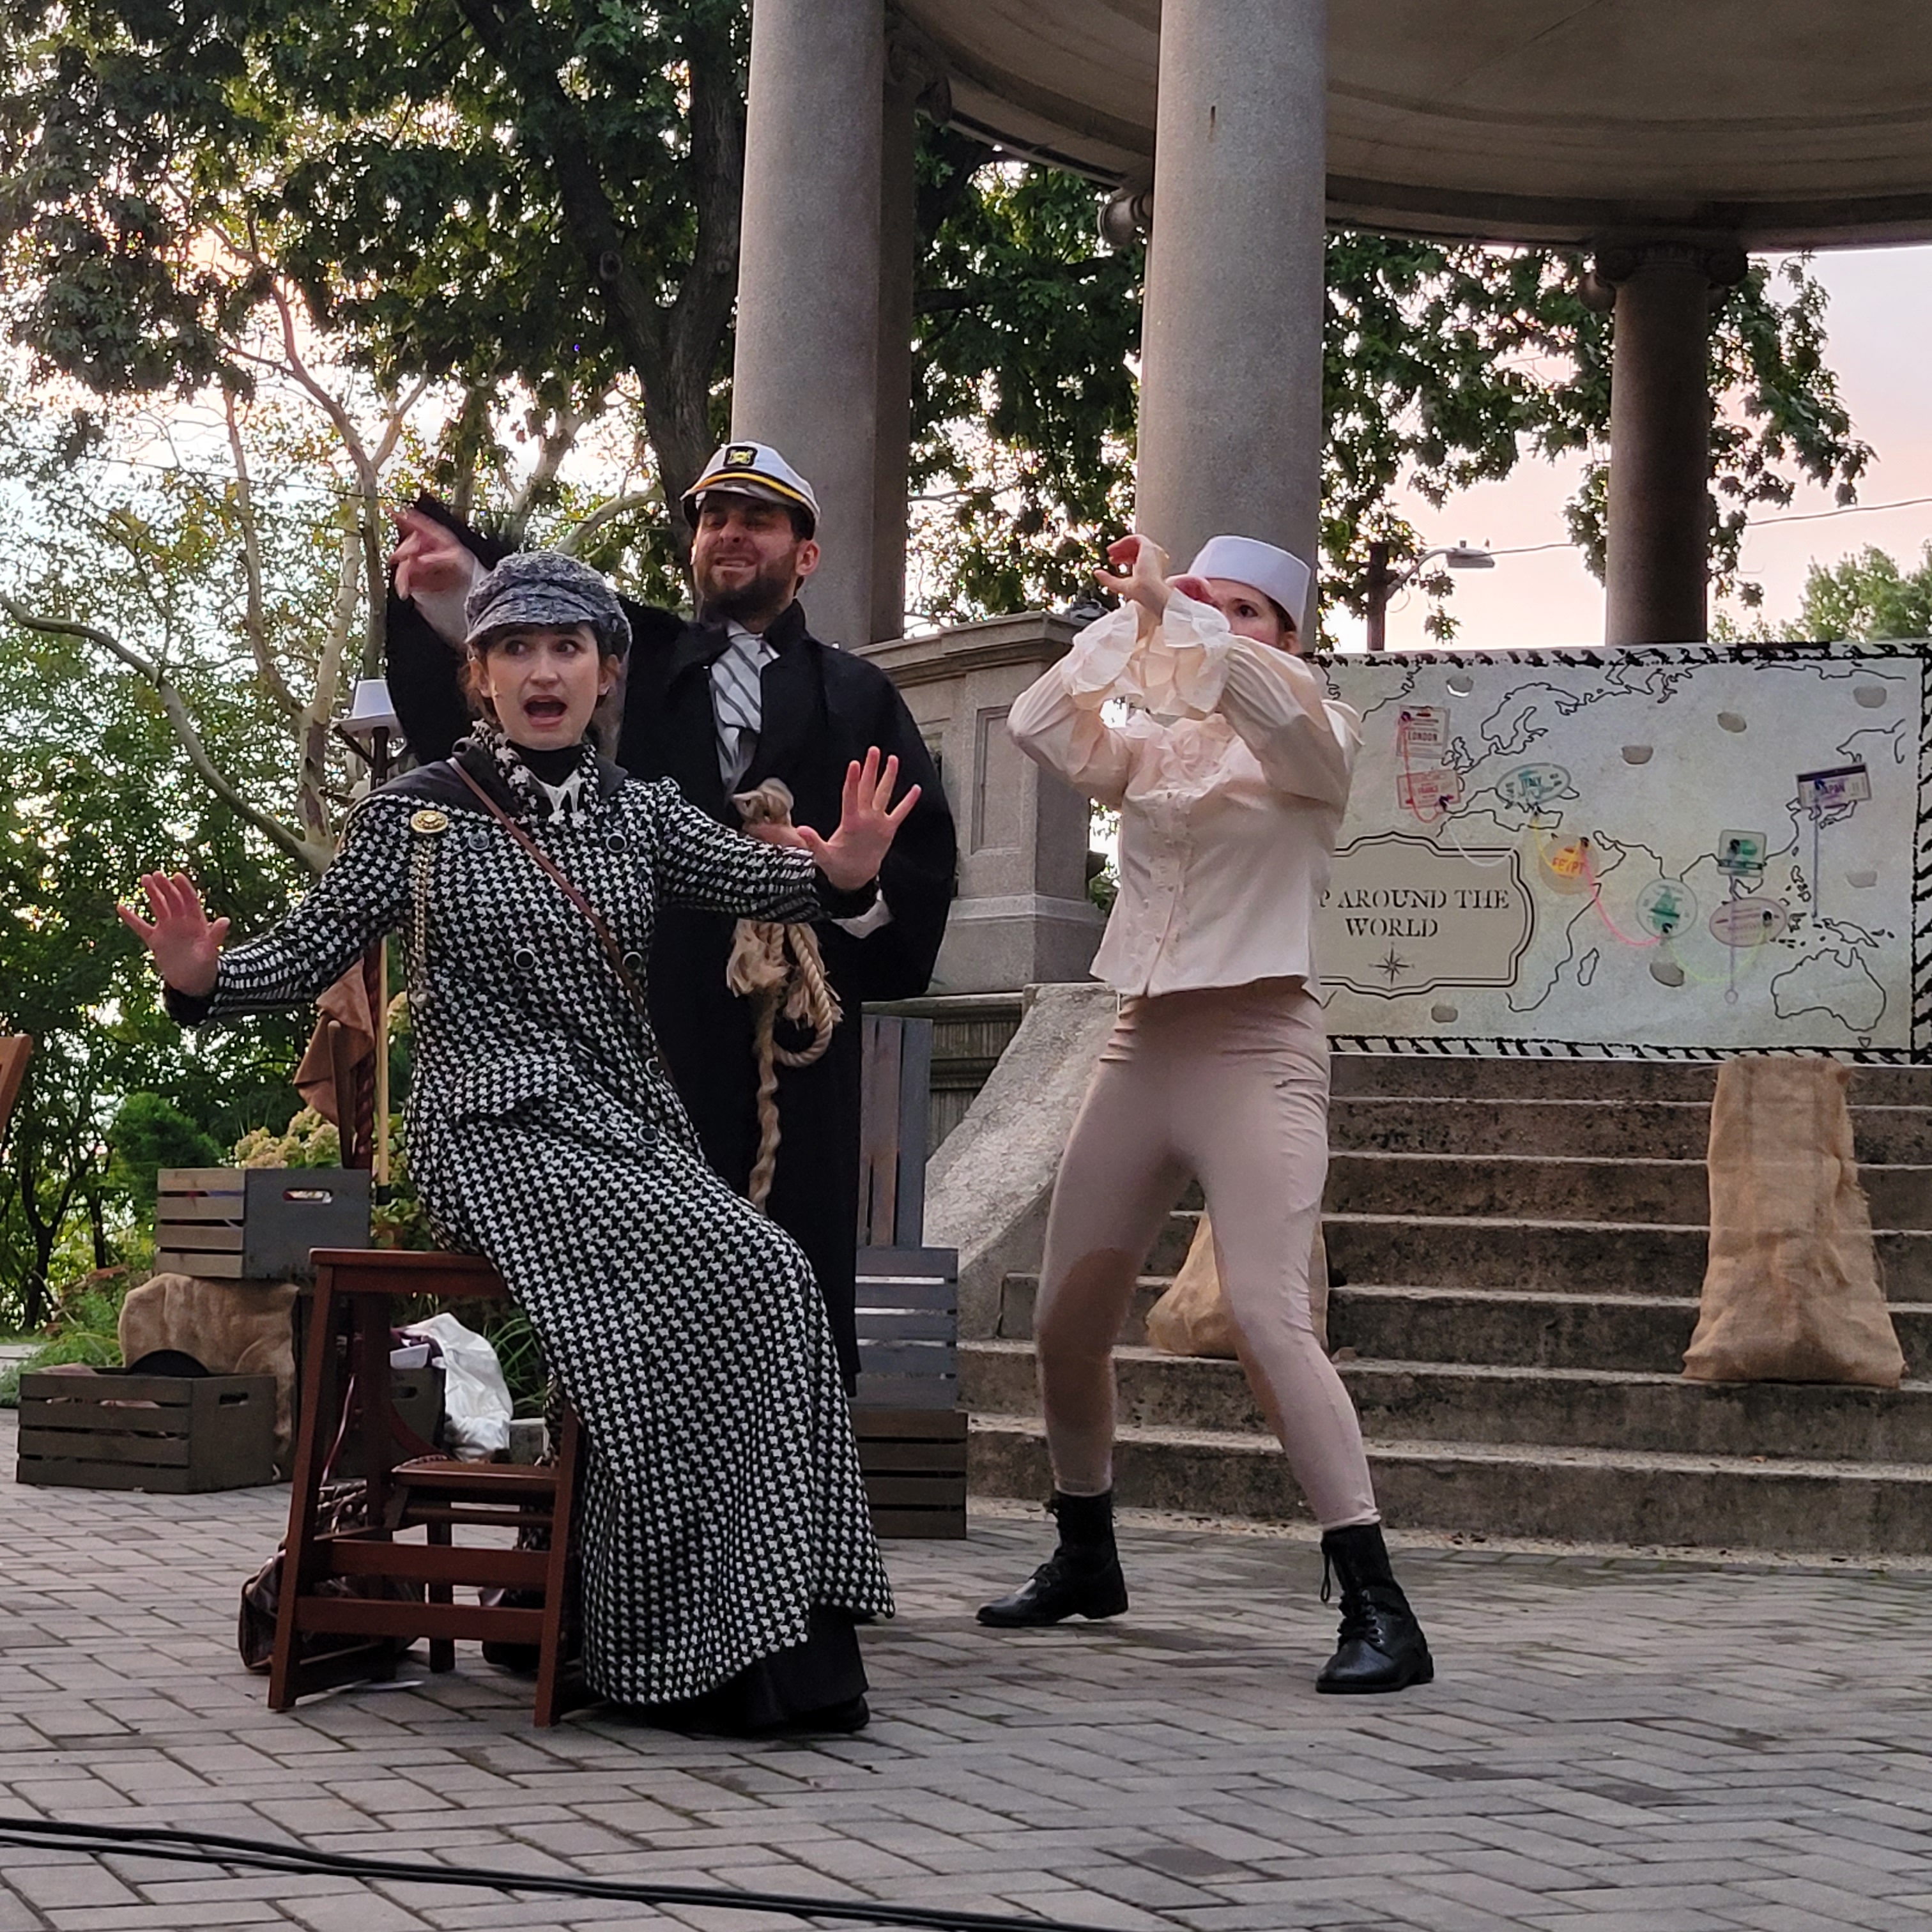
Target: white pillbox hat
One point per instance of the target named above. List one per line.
(1274, 573)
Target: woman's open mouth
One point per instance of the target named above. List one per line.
(545, 710)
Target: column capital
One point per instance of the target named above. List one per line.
(1722, 263)
(913, 61)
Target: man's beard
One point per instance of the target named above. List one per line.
(758, 598)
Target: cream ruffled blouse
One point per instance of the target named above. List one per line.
(1230, 772)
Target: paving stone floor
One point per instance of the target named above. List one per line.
(1611, 1745)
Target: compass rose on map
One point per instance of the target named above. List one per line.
(1393, 964)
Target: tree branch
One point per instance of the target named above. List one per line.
(617, 506)
(510, 32)
(283, 838)
(254, 619)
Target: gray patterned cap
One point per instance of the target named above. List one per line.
(544, 587)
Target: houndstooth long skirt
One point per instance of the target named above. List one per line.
(721, 1496)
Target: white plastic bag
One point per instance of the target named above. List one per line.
(476, 1405)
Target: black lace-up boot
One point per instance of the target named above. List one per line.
(1382, 1646)
(1081, 1579)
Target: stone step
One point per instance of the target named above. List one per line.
(1565, 1257)
(1512, 1330)
(1574, 1188)
(1505, 1328)
(1018, 1293)
(1528, 1490)
(1648, 1130)
(1468, 1077)
(1584, 1408)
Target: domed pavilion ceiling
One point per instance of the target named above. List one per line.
(1787, 123)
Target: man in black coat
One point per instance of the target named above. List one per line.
(744, 694)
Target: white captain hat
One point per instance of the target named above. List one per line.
(752, 470)
(1275, 573)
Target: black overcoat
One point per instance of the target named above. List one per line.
(823, 707)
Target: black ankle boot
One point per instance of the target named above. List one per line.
(1382, 1646)
(1081, 1578)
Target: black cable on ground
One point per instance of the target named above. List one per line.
(263, 1854)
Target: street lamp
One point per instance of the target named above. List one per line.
(369, 727)
(1384, 582)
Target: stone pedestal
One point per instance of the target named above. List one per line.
(1023, 915)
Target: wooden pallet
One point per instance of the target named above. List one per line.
(175, 1435)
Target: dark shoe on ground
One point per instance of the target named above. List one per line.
(1081, 1579)
(1066, 1585)
(1382, 1647)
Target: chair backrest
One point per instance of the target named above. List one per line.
(16, 1050)
(907, 1307)
(895, 1102)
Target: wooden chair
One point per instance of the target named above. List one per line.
(353, 1288)
(16, 1050)
(911, 1431)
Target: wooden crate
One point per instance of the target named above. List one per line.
(256, 1223)
(914, 1461)
(176, 1435)
(907, 1305)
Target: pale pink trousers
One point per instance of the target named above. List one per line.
(1228, 1086)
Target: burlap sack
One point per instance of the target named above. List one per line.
(1192, 1317)
(233, 1327)
(1792, 1292)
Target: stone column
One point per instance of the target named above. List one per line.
(1230, 383)
(905, 76)
(805, 378)
(1658, 541)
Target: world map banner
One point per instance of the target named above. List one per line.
(1666, 853)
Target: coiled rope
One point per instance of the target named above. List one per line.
(777, 968)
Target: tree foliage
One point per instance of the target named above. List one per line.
(1868, 596)
(535, 194)
(542, 195)
(1443, 366)
(94, 790)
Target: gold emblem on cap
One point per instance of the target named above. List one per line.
(429, 820)
(741, 456)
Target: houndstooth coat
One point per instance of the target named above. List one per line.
(722, 1497)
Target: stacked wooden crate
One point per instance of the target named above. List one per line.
(911, 1430)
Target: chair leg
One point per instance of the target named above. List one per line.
(314, 1437)
(556, 1575)
(442, 1649)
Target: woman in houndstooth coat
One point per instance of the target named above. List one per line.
(727, 1544)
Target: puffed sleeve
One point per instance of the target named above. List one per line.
(1305, 741)
(706, 865)
(359, 898)
(1058, 721)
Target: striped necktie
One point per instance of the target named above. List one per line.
(739, 703)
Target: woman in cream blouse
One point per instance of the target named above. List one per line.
(1231, 773)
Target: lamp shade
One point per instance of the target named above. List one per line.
(372, 711)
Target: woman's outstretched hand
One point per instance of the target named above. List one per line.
(186, 943)
(868, 823)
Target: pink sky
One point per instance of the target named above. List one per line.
(1876, 326)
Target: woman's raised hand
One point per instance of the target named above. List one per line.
(851, 857)
(1143, 579)
(429, 560)
(186, 943)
